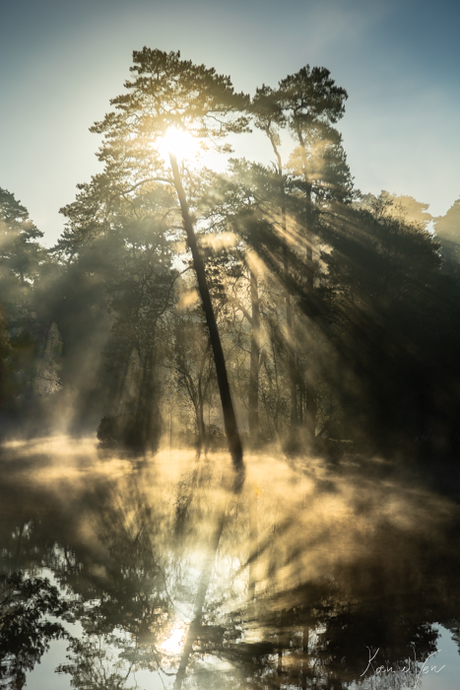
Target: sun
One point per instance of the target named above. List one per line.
(179, 142)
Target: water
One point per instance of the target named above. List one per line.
(165, 578)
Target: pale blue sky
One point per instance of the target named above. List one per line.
(60, 63)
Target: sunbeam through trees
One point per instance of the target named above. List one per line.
(331, 316)
(229, 404)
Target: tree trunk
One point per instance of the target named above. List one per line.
(310, 395)
(202, 440)
(290, 339)
(291, 353)
(253, 396)
(231, 429)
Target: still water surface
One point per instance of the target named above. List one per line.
(158, 574)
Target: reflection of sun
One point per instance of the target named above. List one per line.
(173, 644)
(180, 143)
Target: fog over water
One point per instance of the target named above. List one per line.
(314, 565)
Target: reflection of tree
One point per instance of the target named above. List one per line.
(126, 593)
(93, 667)
(130, 591)
(454, 627)
(317, 633)
(25, 633)
(397, 638)
(285, 585)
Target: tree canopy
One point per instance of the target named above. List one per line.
(330, 314)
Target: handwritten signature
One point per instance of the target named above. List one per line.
(412, 667)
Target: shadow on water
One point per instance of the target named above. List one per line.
(314, 575)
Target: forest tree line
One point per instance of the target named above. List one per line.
(338, 311)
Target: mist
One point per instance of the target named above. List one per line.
(229, 401)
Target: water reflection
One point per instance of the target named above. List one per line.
(313, 576)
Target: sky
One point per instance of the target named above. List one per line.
(399, 60)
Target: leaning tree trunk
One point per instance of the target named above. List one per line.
(231, 429)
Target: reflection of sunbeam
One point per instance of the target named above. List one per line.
(174, 643)
(332, 549)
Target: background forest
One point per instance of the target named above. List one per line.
(338, 311)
